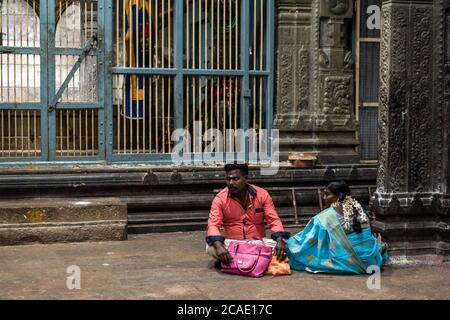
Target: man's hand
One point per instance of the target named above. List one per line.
(222, 252)
(280, 249)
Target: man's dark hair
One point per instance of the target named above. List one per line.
(339, 189)
(242, 167)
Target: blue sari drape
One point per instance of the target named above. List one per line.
(323, 246)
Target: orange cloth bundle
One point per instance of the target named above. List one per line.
(278, 268)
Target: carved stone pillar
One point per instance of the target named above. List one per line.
(293, 55)
(410, 206)
(447, 81)
(314, 107)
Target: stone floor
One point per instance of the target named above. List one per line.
(174, 266)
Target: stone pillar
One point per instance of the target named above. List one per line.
(410, 205)
(315, 100)
(447, 81)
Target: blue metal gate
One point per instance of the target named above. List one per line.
(62, 120)
(116, 78)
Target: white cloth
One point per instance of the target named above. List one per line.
(210, 250)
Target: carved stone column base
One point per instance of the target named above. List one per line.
(333, 138)
(413, 223)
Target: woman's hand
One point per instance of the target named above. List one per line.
(280, 249)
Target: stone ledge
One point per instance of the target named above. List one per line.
(418, 260)
(62, 220)
(35, 180)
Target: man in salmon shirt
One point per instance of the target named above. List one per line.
(241, 209)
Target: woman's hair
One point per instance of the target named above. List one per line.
(342, 190)
(339, 189)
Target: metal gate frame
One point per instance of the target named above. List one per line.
(48, 104)
(178, 72)
(106, 70)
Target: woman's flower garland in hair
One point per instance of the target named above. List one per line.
(347, 207)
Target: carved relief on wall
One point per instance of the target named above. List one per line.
(348, 60)
(337, 6)
(447, 34)
(421, 117)
(393, 99)
(342, 8)
(323, 59)
(398, 98)
(440, 35)
(303, 80)
(447, 48)
(285, 79)
(337, 95)
(384, 100)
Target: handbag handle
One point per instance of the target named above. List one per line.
(254, 264)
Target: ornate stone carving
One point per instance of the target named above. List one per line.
(437, 207)
(323, 59)
(421, 103)
(315, 47)
(303, 80)
(354, 174)
(393, 97)
(341, 8)
(384, 99)
(337, 96)
(412, 125)
(394, 207)
(374, 207)
(327, 124)
(151, 178)
(285, 79)
(440, 124)
(348, 60)
(417, 205)
(329, 174)
(176, 177)
(337, 6)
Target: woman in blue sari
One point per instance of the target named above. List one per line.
(338, 239)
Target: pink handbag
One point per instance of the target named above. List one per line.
(249, 259)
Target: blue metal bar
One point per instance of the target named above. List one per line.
(139, 158)
(35, 162)
(259, 73)
(20, 106)
(108, 88)
(76, 51)
(80, 105)
(245, 65)
(101, 34)
(78, 159)
(214, 72)
(144, 71)
(270, 45)
(20, 50)
(49, 85)
(189, 72)
(178, 24)
(45, 19)
(72, 72)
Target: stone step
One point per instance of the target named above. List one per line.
(62, 220)
(192, 226)
(148, 222)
